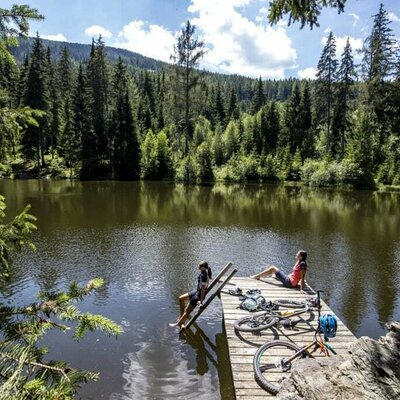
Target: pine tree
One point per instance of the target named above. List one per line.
(324, 89)
(65, 71)
(305, 123)
(9, 78)
(23, 73)
(232, 110)
(98, 82)
(218, 108)
(187, 54)
(272, 129)
(125, 160)
(378, 66)
(341, 115)
(218, 146)
(259, 97)
(293, 122)
(36, 96)
(80, 141)
(55, 105)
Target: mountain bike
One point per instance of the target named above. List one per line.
(278, 356)
(266, 319)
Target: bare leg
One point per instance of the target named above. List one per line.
(182, 305)
(269, 271)
(182, 319)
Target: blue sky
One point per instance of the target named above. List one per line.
(235, 31)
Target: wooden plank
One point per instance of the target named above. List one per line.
(243, 345)
(219, 276)
(212, 296)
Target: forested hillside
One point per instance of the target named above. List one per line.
(118, 118)
(80, 52)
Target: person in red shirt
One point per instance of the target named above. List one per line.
(294, 278)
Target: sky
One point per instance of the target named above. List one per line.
(236, 33)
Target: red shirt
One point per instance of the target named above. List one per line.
(295, 276)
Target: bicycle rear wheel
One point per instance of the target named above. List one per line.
(290, 303)
(256, 322)
(270, 366)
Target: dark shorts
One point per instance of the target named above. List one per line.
(194, 297)
(283, 278)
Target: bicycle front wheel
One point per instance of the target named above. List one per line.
(256, 322)
(290, 303)
(270, 364)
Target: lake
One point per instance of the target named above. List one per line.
(147, 238)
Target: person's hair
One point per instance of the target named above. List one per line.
(303, 254)
(204, 264)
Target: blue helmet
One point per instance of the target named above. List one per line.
(328, 324)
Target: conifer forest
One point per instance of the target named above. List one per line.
(97, 117)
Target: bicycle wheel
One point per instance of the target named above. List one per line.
(256, 322)
(290, 303)
(270, 366)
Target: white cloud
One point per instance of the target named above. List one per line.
(307, 73)
(393, 17)
(97, 30)
(355, 17)
(282, 22)
(58, 37)
(355, 43)
(328, 30)
(152, 41)
(263, 10)
(238, 45)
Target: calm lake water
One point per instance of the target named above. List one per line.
(146, 240)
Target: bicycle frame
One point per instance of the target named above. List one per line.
(318, 342)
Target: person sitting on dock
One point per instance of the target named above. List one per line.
(296, 276)
(196, 296)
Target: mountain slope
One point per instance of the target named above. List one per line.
(80, 52)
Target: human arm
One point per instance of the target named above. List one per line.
(203, 288)
(302, 282)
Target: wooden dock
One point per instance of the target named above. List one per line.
(243, 345)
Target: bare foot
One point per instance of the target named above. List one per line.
(255, 277)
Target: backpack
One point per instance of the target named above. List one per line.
(253, 303)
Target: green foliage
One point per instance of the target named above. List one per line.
(15, 23)
(188, 51)
(319, 173)
(24, 371)
(156, 162)
(96, 116)
(304, 11)
(186, 170)
(283, 163)
(231, 140)
(240, 168)
(14, 235)
(204, 163)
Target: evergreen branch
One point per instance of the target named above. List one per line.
(35, 364)
(304, 11)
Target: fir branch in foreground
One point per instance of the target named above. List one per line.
(24, 373)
